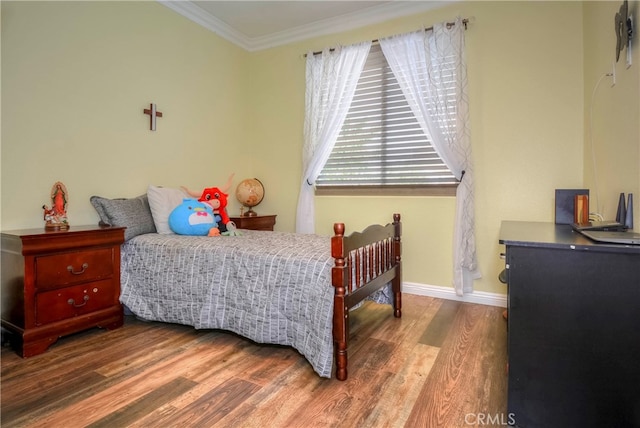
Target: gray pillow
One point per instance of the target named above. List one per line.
(133, 213)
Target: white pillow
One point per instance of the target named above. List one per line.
(162, 200)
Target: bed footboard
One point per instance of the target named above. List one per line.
(364, 263)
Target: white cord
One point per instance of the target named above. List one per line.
(595, 215)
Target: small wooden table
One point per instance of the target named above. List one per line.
(258, 222)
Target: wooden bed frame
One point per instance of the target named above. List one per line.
(364, 262)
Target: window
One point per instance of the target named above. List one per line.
(381, 148)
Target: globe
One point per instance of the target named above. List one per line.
(250, 193)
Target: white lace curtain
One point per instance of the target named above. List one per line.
(421, 62)
(331, 82)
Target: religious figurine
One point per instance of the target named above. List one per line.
(55, 218)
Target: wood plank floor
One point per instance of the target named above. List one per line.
(443, 364)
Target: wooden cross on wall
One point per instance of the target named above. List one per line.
(152, 112)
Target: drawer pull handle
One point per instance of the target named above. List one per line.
(84, 268)
(73, 302)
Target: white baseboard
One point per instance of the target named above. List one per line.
(480, 297)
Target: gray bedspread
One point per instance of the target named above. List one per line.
(270, 287)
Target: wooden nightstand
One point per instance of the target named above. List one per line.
(55, 283)
(258, 222)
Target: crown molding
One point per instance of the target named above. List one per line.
(324, 27)
(198, 15)
(349, 21)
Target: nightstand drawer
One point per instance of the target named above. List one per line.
(72, 301)
(71, 268)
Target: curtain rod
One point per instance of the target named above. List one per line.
(465, 21)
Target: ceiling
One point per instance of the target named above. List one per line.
(257, 25)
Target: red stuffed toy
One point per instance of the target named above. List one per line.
(217, 198)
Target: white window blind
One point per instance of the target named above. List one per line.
(381, 143)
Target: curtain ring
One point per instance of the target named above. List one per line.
(310, 184)
(462, 175)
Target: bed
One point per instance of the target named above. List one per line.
(271, 287)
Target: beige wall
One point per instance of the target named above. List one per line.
(75, 79)
(612, 113)
(525, 65)
(76, 76)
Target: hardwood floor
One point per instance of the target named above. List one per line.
(443, 364)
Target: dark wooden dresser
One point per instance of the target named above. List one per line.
(55, 283)
(258, 222)
(573, 328)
